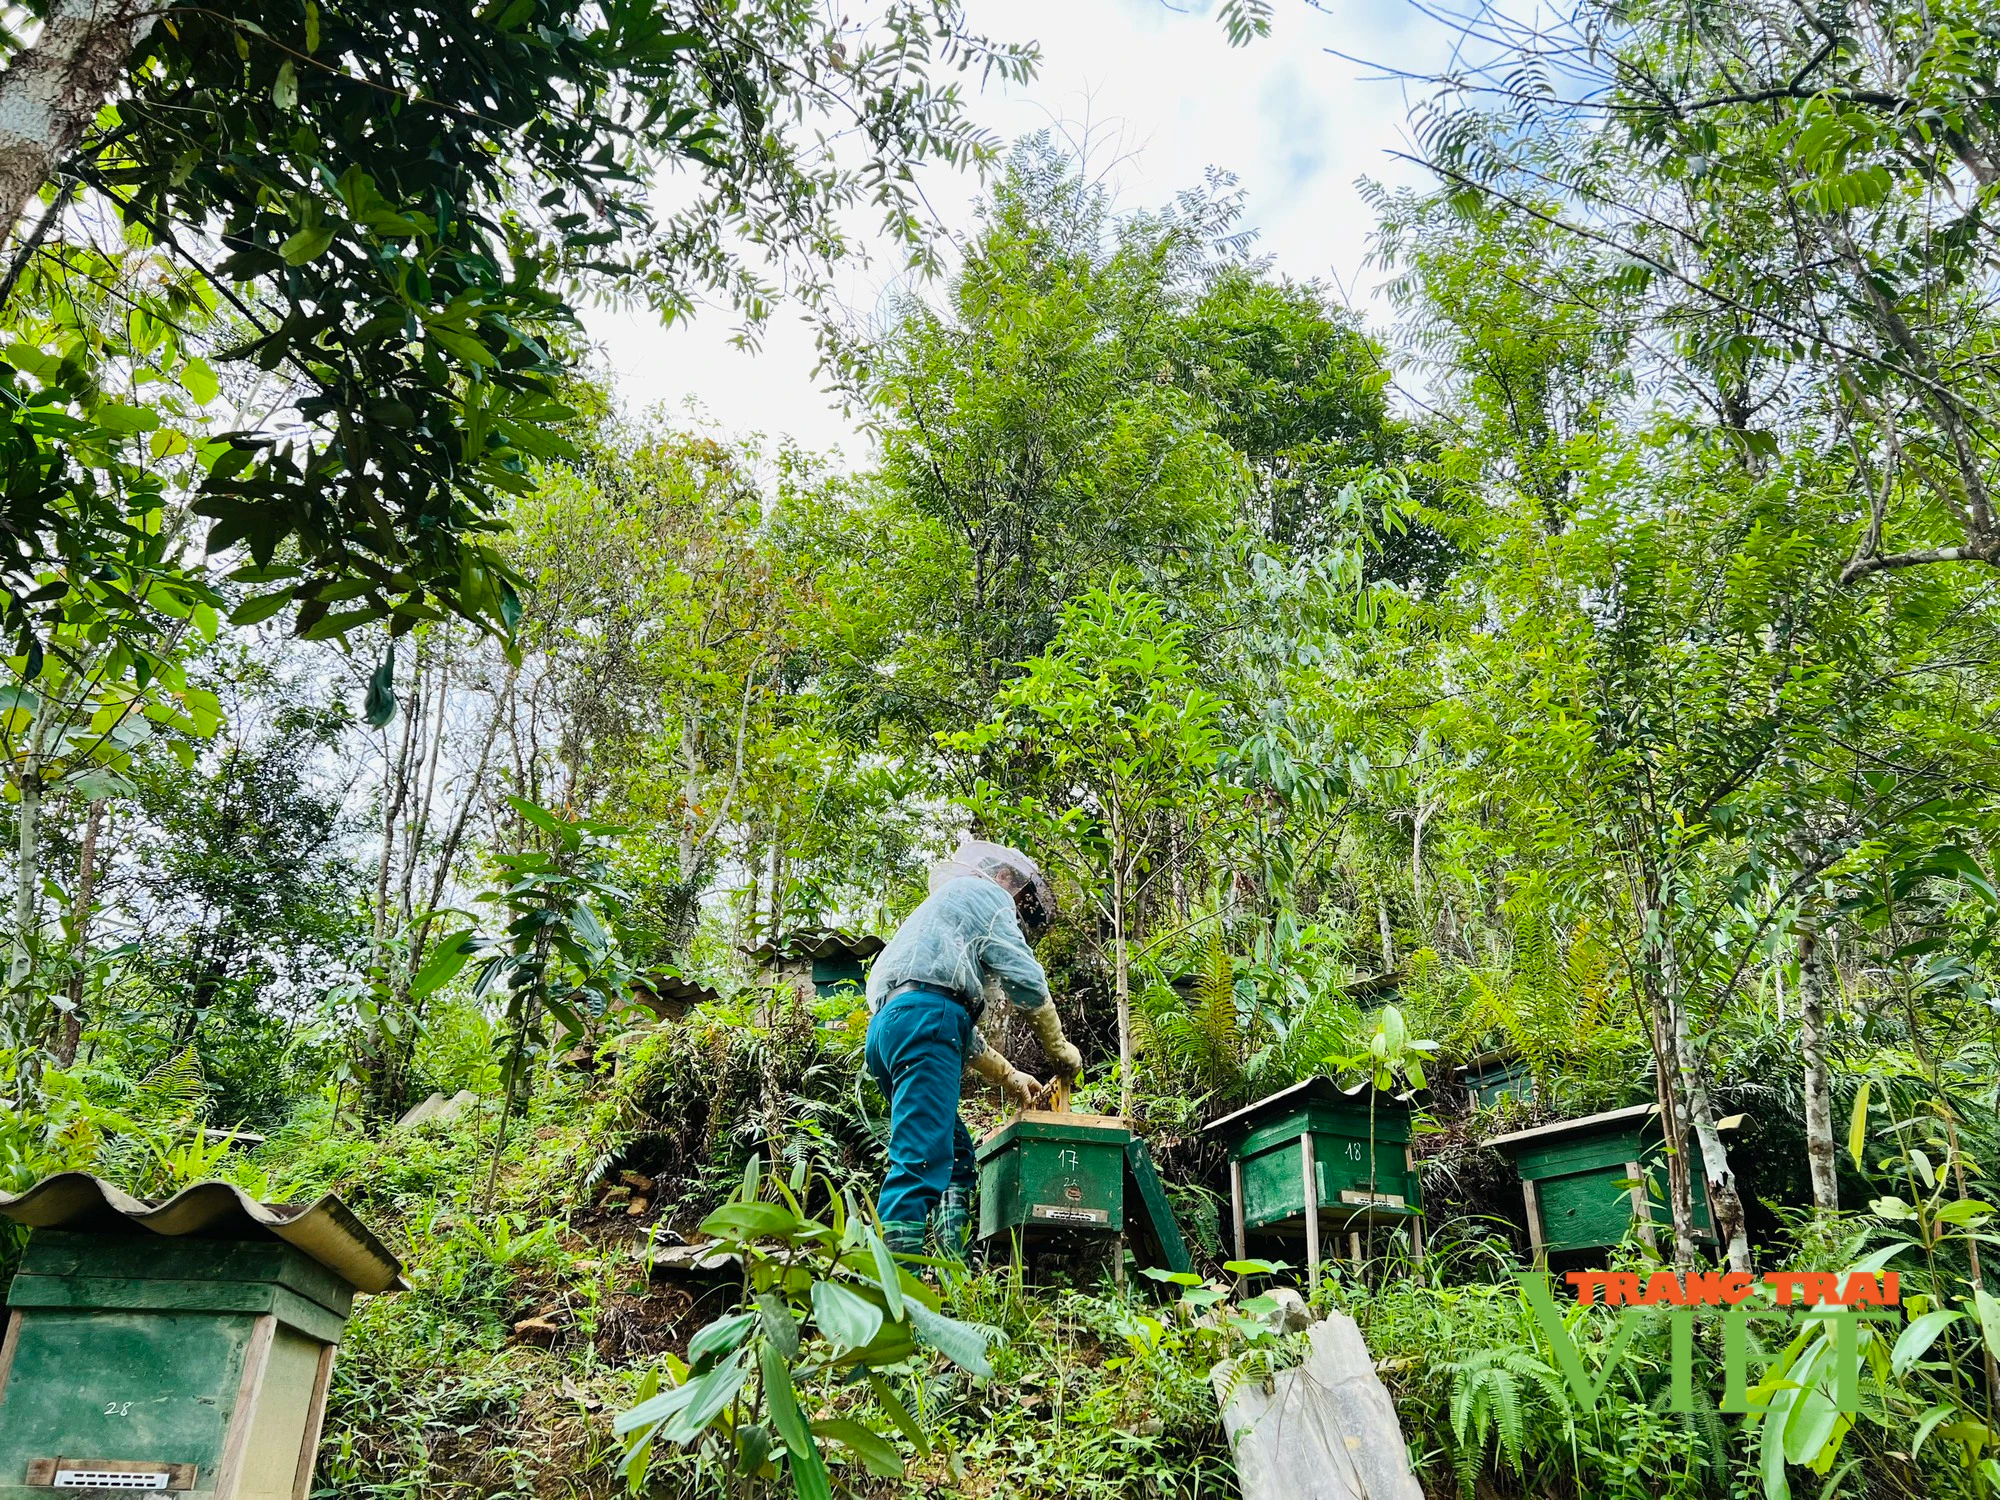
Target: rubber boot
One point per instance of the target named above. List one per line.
(954, 1222)
(904, 1236)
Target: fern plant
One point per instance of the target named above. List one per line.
(1487, 1408)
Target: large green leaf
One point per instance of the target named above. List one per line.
(1857, 1126)
(845, 1317)
(876, 1452)
(1918, 1337)
(653, 1410)
(450, 955)
(964, 1344)
(751, 1221)
(886, 1274)
(707, 1396)
(809, 1479)
(725, 1333)
(898, 1413)
(1988, 1309)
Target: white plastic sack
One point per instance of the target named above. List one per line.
(1326, 1430)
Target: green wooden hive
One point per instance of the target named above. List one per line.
(1300, 1167)
(1493, 1076)
(1571, 1176)
(182, 1348)
(1046, 1174)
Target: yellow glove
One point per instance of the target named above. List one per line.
(996, 1070)
(1048, 1031)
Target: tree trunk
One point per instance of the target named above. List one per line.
(1673, 1111)
(1813, 987)
(1725, 1203)
(54, 89)
(1122, 984)
(79, 926)
(1656, 977)
(27, 880)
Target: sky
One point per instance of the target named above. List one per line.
(1162, 98)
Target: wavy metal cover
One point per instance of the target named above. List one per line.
(326, 1230)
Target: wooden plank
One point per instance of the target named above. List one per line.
(1236, 1207)
(1539, 1256)
(1417, 1223)
(8, 1345)
(153, 1257)
(1311, 1175)
(1642, 1207)
(140, 1293)
(315, 1425)
(42, 1472)
(1156, 1213)
(236, 1441)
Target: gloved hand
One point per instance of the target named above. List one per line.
(996, 1070)
(1058, 1048)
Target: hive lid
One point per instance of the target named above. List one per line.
(819, 942)
(1631, 1115)
(1312, 1091)
(671, 996)
(327, 1230)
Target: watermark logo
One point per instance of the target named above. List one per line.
(1840, 1303)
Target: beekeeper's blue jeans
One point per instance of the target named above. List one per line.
(916, 1052)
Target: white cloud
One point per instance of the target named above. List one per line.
(1160, 92)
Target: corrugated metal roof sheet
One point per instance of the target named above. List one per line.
(326, 1230)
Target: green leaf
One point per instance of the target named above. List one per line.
(1255, 1267)
(285, 92)
(543, 819)
(445, 961)
(726, 1333)
(708, 1395)
(899, 1414)
(877, 1454)
(886, 1274)
(116, 416)
(100, 782)
(845, 1317)
(964, 1344)
(199, 379)
(1989, 1319)
(309, 244)
(809, 1481)
(1857, 1128)
(260, 607)
(753, 1447)
(780, 1327)
(1939, 1413)
(751, 1221)
(1918, 1337)
(653, 1410)
(380, 705)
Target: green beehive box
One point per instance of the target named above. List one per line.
(1571, 1176)
(1053, 1171)
(1493, 1076)
(1300, 1166)
(1048, 1174)
(184, 1347)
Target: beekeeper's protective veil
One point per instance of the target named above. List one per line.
(1012, 871)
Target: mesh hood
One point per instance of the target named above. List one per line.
(1009, 869)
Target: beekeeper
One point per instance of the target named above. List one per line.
(969, 942)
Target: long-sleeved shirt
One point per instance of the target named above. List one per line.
(965, 935)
